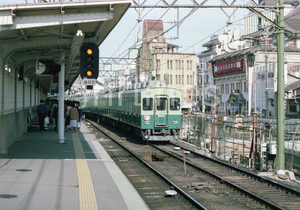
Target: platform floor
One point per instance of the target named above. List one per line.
(39, 173)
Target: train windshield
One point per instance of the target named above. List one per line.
(174, 104)
(161, 104)
(147, 104)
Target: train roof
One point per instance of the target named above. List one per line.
(142, 85)
(130, 88)
(138, 86)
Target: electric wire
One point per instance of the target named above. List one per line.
(130, 33)
(147, 32)
(180, 22)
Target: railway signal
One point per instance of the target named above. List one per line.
(89, 61)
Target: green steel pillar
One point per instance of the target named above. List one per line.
(280, 158)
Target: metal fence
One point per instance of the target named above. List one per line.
(246, 141)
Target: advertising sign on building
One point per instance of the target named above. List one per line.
(228, 66)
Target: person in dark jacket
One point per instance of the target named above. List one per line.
(42, 112)
(54, 113)
(67, 109)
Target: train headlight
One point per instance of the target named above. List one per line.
(146, 134)
(147, 117)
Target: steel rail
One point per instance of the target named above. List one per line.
(240, 170)
(246, 192)
(184, 194)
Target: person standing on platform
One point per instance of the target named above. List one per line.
(54, 113)
(79, 112)
(48, 105)
(74, 117)
(42, 112)
(67, 121)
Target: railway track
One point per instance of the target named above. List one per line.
(150, 184)
(204, 182)
(267, 193)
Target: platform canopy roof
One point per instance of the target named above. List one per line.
(39, 32)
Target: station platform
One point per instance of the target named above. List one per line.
(40, 173)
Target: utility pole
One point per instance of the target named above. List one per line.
(203, 106)
(265, 39)
(150, 66)
(280, 158)
(138, 79)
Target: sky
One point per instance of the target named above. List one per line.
(193, 32)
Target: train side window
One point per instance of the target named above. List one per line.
(161, 104)
(148, 104)
(175, 104)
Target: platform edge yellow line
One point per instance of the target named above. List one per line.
(87, 197)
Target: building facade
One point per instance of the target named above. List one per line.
(162, 61)
(218, 45)
(246, 79)
(249, 70)
(127, 74)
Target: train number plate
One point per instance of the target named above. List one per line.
(147, 122)
(161, 115)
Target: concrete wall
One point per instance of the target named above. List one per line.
(16, 97)
(13, 126)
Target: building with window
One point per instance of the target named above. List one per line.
(243, 71)
(217, 45)
(241, 78)
(229, 75)
(127, 74)
(162, 61)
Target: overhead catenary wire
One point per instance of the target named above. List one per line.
(130, 33)
(180, 22)
(219, 30)
(144, 34)
(168, 30)
(177, 24)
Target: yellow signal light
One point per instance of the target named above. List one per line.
(89, 51)
(89, 73)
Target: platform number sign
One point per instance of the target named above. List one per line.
(89, 61)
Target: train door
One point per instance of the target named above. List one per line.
(161, 111)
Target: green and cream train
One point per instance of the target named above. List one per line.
(150, 109)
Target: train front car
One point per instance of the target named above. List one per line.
(160, 114)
